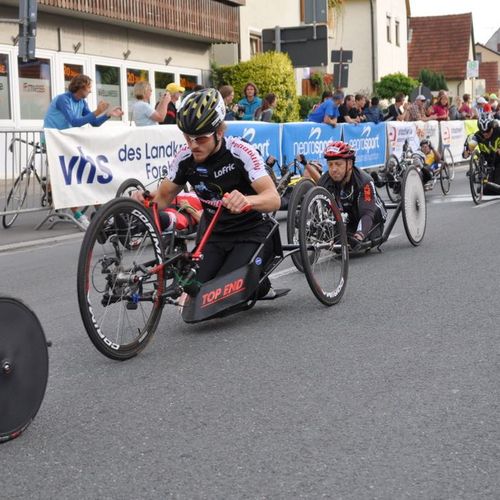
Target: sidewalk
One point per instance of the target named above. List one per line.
(23, 234)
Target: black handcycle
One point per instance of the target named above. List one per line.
(479, 174)
(126, 276)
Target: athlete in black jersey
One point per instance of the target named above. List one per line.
(355, 194)
(221, 169)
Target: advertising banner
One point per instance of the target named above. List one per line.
(453, 136)
(429, 130)
(369, 141)
(307, 138)
(398, 133)
(470, 127)
(87, 165)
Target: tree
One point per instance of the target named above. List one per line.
(390, 85)
(432, 79)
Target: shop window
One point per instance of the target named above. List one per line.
(5, 111)
(108, 85)
(161, 81)
(134, 76)
(34, 88)
(70, 71)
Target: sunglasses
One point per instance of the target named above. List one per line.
(199, 139)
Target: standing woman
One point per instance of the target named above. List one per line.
(265, 112)
(250, 102)
(143, 113)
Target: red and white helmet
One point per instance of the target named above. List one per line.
(339, 149)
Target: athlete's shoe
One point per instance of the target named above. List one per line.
(275, 293)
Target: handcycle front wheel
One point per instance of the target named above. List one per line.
(450, 162)
(413, 206)
(16, 198)
(323, 246)
(119, 291)
(476, 178)
(24, 367)
(445, 178)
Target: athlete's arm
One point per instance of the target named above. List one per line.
(267, 198)
(367, 208)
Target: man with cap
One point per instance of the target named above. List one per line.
(416, 111)
(175, 91)
(481, 107)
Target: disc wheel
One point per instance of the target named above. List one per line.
(323, 246)
(476, 178)
(445, 178)
(450, 162)
(393, 185)
(293, 217)
(16, 198)
(128, 187)
(414, 208)
(24, 367)
(119, 293)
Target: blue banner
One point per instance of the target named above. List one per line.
(369, 141)
(266, 137)
(307, 138)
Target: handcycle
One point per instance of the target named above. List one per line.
(24, 366)
(394, 170)
(479, 172)
(441, 173)
(123, 288)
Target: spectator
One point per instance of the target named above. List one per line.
(373, 113)
(481, 105)
(465, 110)
(227, 93)
(175, 91)
(71, 110)
(416, 111)
(345, 109)
(326, 112)
(493, 102)
(454, 107)
(142, 112)
(440, 108)
(250, 102)
(338, 99)
(265, 112)
(395, 111)
(357, 111)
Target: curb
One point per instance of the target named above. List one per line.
(40, 242)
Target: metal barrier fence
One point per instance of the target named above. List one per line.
(24, 173)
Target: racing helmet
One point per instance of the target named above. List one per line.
(485, 122)
(426, 142)
(201, 112)
(339, 149)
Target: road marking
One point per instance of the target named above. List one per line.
(487, 203)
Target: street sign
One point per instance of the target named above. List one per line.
(27, 29)
(344, 56)
(340, 75)
(306, 45)
(315, 11)
(472, 69)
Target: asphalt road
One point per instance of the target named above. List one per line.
(393, 393)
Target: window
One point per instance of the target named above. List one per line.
(396, 25)
(161, 81)
(255, 44)
(108, 85)
(5, 112)
(479, 57)
(188, 81)
(134, 76)
(70, 71)
(388, 22)
(34, 88)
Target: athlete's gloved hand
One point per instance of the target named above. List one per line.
(236, 202)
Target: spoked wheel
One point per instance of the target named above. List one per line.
(393, 184)
(128, 187)
(445, 178)
(16, 198)
(413, 207)
(24, 367)
(450, 162)
(476, 179)
(119, 292)
(323, 246)
(293, 217)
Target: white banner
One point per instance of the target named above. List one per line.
(428, 130)
(453, 136)
(398, 133)
(87, 165)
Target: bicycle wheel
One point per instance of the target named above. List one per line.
(293, 219)
(16, 198)
(414, 209)
(119, 293)
(445, 178)
(393, 184)
(24, 367)
(476, 179)
(322, 230)
(128, 186)
(450, 162)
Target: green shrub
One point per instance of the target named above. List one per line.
(306, 104)
(271, 72)
(390, 85)
(432, 79)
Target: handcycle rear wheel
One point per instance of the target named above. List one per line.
(322, 229)
(24, 367)
(119, 292)
(128, 186)
(414, 208)
(393, 185)
(450, 162)
(476, 179)
(445, 178)
(293, 217)
(16, 198)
